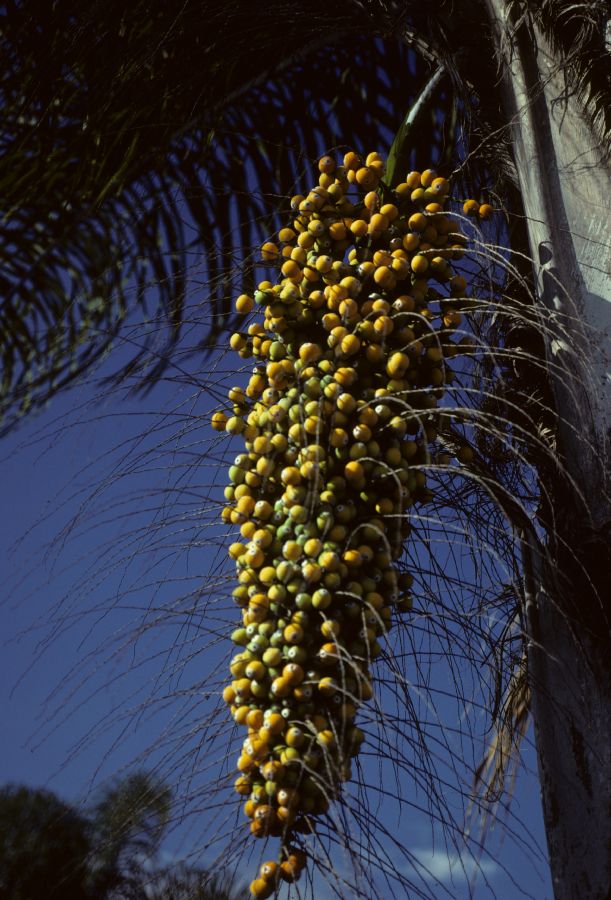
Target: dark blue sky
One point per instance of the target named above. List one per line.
(116, 631)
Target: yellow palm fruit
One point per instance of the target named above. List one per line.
(266, 575)
(240, 714)
(330, 629)
(417, 222)
(458, 285)
(238, 341)
(339, 437)
(427, 177)
(400, 267)
(359, 228)
(293, 673)
(384, 277)
(411, 241)
(390, 211)
(269, 252)
(245, 504)
(244, 304)
(291, 269)
(350, 345)
(291, 550)
(243, 785)
(440, 186)
(287, 235)
(352, 161)
(219, 421)
(294, 737)
(378, 223)
(246, 763)
(280, 687)
(382, 258)
(352, 285)
(338, 231)
(326, 164)
(419, 264)
(366, 177)
(326, 739)
(311, 572)
(234, 425)
(354, 471)
(237, 550)
(254, 719)
(324, 263)
(269, 870)
(305, 240)
(316, 228)
(261, 888)
(296, 254)
(397, 364)
(371, 201)
(383, 326)
(348, 308)
(275, 723)
(309, 352)
(263, 510)
(290, 475)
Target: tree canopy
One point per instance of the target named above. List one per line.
(51, 849)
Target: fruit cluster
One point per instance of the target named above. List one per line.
(337, 419)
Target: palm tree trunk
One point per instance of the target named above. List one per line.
(565, 186)
(570, 689)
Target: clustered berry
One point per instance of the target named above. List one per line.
(337, 418)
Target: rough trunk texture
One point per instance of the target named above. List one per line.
(570, 689)
(565, 189)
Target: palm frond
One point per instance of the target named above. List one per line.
(576, 32)
(495, 775)
(123, 137)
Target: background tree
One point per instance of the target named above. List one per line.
(127, 823)
(191, 883)
(528, 112)
(44, 846)
(49, 849)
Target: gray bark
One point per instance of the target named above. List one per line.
(565, 186)
(570, 690)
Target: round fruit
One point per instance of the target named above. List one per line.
(337, 421)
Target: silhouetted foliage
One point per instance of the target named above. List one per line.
(50, 850)
(44, 846)
(122, 164)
